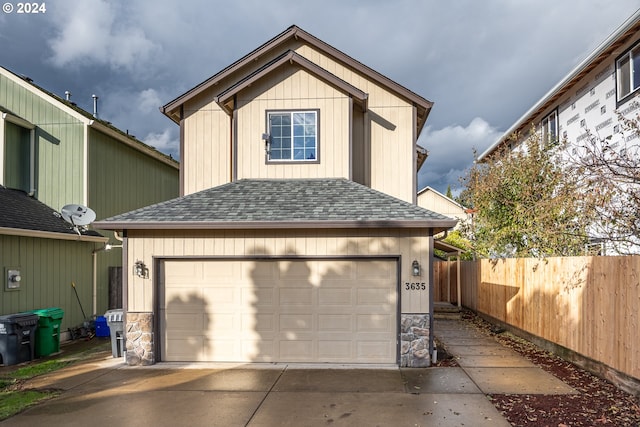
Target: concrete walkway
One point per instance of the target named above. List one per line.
(105, 392)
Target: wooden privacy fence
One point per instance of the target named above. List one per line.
(587, 304)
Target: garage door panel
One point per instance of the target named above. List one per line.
(334, 323)
(296, 296)
(375, 269)
(374, 323)
(335, 350)
(340, 296)
(187, 321)
(280, 311)
(375, 297)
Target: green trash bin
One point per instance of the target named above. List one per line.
(48, 332)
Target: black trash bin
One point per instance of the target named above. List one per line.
(17, 337)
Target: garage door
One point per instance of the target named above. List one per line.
(334, 311)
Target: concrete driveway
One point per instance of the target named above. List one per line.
(105, 392)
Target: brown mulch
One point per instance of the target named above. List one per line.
(598, 402)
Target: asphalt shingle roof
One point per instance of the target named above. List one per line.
(278, 203)
(19, 211)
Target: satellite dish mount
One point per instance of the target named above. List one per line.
(78, 216)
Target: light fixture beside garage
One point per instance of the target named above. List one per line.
(140, 269)
(415, 268)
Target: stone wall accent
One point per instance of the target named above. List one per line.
(414, 344)
(139, 339)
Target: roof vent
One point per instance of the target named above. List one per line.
(95, 105)
(67, 95)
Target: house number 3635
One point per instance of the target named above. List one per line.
(415, 286)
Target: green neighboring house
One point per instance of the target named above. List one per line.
(53, 153)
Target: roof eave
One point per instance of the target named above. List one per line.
(292, 57)
(51, 235)
(171, 109)
(279, 225)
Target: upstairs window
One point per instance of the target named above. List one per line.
(550, 128)
(293, 136)
(628, 72)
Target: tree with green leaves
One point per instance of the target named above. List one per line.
(525, 203)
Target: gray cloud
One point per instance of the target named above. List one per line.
(482, 63)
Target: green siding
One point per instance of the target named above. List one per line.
(48, 267)
(17, 157)
(122, 178)
(59, 144)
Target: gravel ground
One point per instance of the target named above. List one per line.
(599, 402)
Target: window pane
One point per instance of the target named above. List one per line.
(624, 77)
(635, 54)
(293, 135)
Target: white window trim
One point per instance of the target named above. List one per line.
(629, 57)
(316, 112)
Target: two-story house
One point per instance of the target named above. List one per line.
(588, 99)
(52, 154)
(297, 237)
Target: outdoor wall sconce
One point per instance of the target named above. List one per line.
(13, 279)
(140, 269)
(415, 268)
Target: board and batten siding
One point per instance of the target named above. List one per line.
(206, 145)
(48, 267)
(293, 89)
(59, 143)
(392, 149)
(409, 244)
(114, 167)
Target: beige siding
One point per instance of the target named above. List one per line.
(392, 165)
(206, 156)
(409, 244)
(293, 90)
(437, 203)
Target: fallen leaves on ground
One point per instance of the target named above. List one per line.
(598, 402)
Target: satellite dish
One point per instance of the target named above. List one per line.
(78, 215)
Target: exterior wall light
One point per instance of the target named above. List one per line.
(415, 268)
(140, 269)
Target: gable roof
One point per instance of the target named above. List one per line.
(281, 204)
(172, 109)
(607, 48)
(291, 57)
(85, 117)
(449, 200)
(26, 216)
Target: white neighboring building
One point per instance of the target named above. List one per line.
(589, 98)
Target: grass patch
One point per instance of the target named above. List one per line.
(15, 398)
(12, 402)
(39, 369)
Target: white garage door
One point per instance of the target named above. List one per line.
(336, 311)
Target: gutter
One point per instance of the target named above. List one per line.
(51, 235)
(437, 225)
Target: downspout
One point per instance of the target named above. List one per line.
(32, 163)
(432, 349)
(94, 253)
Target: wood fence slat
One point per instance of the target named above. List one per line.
(587, 304)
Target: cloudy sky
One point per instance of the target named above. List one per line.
(482, 62)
